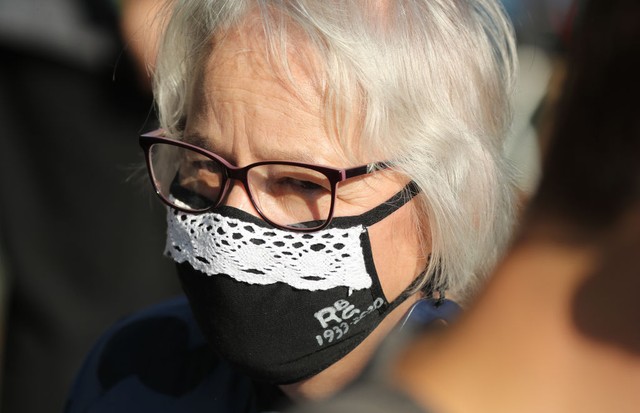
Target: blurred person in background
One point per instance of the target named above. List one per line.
(79, 242)
(556, 329)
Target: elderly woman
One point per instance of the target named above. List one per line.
(327, 166)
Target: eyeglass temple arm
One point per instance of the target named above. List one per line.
(366, 169)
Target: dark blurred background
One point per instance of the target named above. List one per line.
(81, 242)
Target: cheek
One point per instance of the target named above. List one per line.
(397, 253)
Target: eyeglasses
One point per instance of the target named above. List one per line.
(288, 195)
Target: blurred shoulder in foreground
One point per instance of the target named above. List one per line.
(556, 330)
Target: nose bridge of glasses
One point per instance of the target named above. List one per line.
(236, 193)
(237, 173)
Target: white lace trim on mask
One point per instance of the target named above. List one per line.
(215, 244)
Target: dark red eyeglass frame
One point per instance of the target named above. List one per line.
(334, 175)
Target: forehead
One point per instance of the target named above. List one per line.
(270, 90)
(285, 59)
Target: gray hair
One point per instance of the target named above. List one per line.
(427, 82)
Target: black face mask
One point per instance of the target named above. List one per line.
(272, 318)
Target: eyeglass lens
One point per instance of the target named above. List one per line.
(287, 195)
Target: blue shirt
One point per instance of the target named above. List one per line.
(158, 361)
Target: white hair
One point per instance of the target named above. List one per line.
(427, 82)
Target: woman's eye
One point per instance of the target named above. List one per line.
(301, 184)
(200, 173)
(305, 185)
(205, 165)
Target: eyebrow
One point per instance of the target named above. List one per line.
(296, 156)
(199, 141)
(274, 153)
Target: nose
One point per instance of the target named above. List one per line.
(238, 197)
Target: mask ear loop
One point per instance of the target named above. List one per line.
(428, 290)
